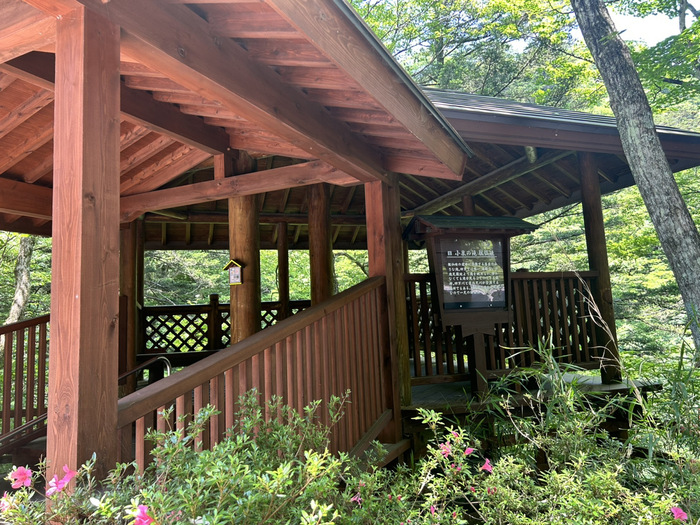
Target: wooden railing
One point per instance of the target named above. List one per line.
(24, 378)
(326, 350)
(547, 308)
(192, 328)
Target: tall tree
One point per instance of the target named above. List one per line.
(22, 279)
(517, 49)
(22, 283)
(677, 232)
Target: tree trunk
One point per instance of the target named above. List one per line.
(22, 283)
(675, 227)
(22, 279)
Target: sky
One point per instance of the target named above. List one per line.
(651, 29)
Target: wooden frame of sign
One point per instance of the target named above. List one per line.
(471, 277)
(470, 262)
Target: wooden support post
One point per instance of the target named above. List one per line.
(283, 270)
(128, 306)
(468, 207)
(244, 248)
(320, 244)
(82, 417)
(386, 258)
(214, 325)
(140, 276)
(598, 261)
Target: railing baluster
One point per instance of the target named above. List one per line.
(7, 383)
(19, 379)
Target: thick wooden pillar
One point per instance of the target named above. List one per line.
(386, 258)
(598, 261)
(320, 243)
(244, 248)
(283, 269)
(82, 415)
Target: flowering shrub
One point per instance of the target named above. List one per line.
(280, 471)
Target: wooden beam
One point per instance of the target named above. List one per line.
(179, 44)
(340, 34)
(27, 200)
(264, 218)
(137, 107)
(510, 171)
(85, 266)
(23, 29)
(247, 184)
(141, 108)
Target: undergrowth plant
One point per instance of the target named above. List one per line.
(274, 467)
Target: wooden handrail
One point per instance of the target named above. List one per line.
(553, 275)
(20, 325)
(152, 397)
(146, 364)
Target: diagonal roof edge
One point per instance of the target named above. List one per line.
(362, 27)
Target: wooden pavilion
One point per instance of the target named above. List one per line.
(136, 124)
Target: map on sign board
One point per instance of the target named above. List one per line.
(472, 273)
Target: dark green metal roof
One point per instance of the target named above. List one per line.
(422, 225)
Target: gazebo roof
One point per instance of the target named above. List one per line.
(307, 90)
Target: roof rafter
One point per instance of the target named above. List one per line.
(136, 107)
(179, 44)
(164, 170)
(328, 25)
(510, 171)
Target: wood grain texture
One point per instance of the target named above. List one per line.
(85, 270)
(336, 34)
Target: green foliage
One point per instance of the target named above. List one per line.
(40, 295)
(670, 70)
(279, 471)
(520, 50)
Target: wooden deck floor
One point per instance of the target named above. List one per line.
(457, 398)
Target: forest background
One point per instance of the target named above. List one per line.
(523, 50)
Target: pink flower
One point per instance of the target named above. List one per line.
(5, 502)
(445, 448)
(57, 485)
(21, 476)
(455, 434)
(679, 514)
(491, 490)
(432, 510)
(468, 451)
(487, 466)
(357, 499)
(70, 474)
(142, 517)
(54, 486)
(457, 468)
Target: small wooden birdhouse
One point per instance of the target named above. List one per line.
(235, 272)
